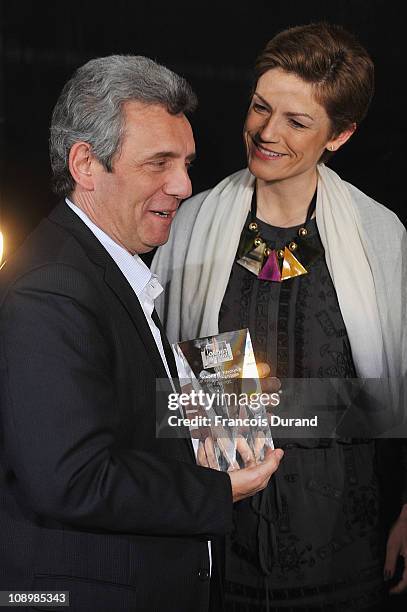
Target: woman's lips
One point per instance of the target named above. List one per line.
(266, 154)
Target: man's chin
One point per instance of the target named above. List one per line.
(147, 248)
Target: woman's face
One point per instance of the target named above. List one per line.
(286, 130)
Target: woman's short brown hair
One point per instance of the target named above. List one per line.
(333, 61)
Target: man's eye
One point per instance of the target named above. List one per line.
(159, 164)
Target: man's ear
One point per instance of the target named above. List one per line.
(80, 165)
(336, 142)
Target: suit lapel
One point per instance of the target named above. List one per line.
(119, 285)
(169, 355)
(114, 278)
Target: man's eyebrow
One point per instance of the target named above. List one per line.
(289, 114)
(171, 155)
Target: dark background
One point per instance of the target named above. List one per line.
(214, 46)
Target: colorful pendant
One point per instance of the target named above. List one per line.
(246, 245)
(271, 270)
(275, 265)
(253, 260)
(291, 266)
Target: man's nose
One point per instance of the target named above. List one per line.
(179, 184)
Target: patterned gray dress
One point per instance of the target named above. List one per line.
(310, 541)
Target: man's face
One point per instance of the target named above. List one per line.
(136, 202)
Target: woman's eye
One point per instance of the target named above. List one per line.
(259, 108)
(297, 124)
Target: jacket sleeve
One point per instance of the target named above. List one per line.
(60, 422)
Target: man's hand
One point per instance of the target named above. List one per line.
(254, 477)
(269, 384)
(206, 456)
(397, 545)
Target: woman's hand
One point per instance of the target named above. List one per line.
(397, 546)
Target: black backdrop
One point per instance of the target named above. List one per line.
(214, 46)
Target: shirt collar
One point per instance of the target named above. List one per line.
(133, 267)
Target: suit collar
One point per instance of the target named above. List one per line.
(65, 217)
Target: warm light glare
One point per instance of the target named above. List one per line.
(1, 247)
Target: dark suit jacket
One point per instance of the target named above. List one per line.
(91, 501)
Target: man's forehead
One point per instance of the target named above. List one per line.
(153, 125)
(137, 111)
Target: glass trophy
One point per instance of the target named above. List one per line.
(226, 411)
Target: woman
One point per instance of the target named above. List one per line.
(315, 269)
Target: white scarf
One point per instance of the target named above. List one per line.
(365, 248)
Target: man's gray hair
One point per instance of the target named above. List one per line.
(90, 107)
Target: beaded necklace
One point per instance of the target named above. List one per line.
(276, 265)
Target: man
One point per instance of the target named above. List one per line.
(92, 502)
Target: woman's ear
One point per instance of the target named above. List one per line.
(335, 143)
